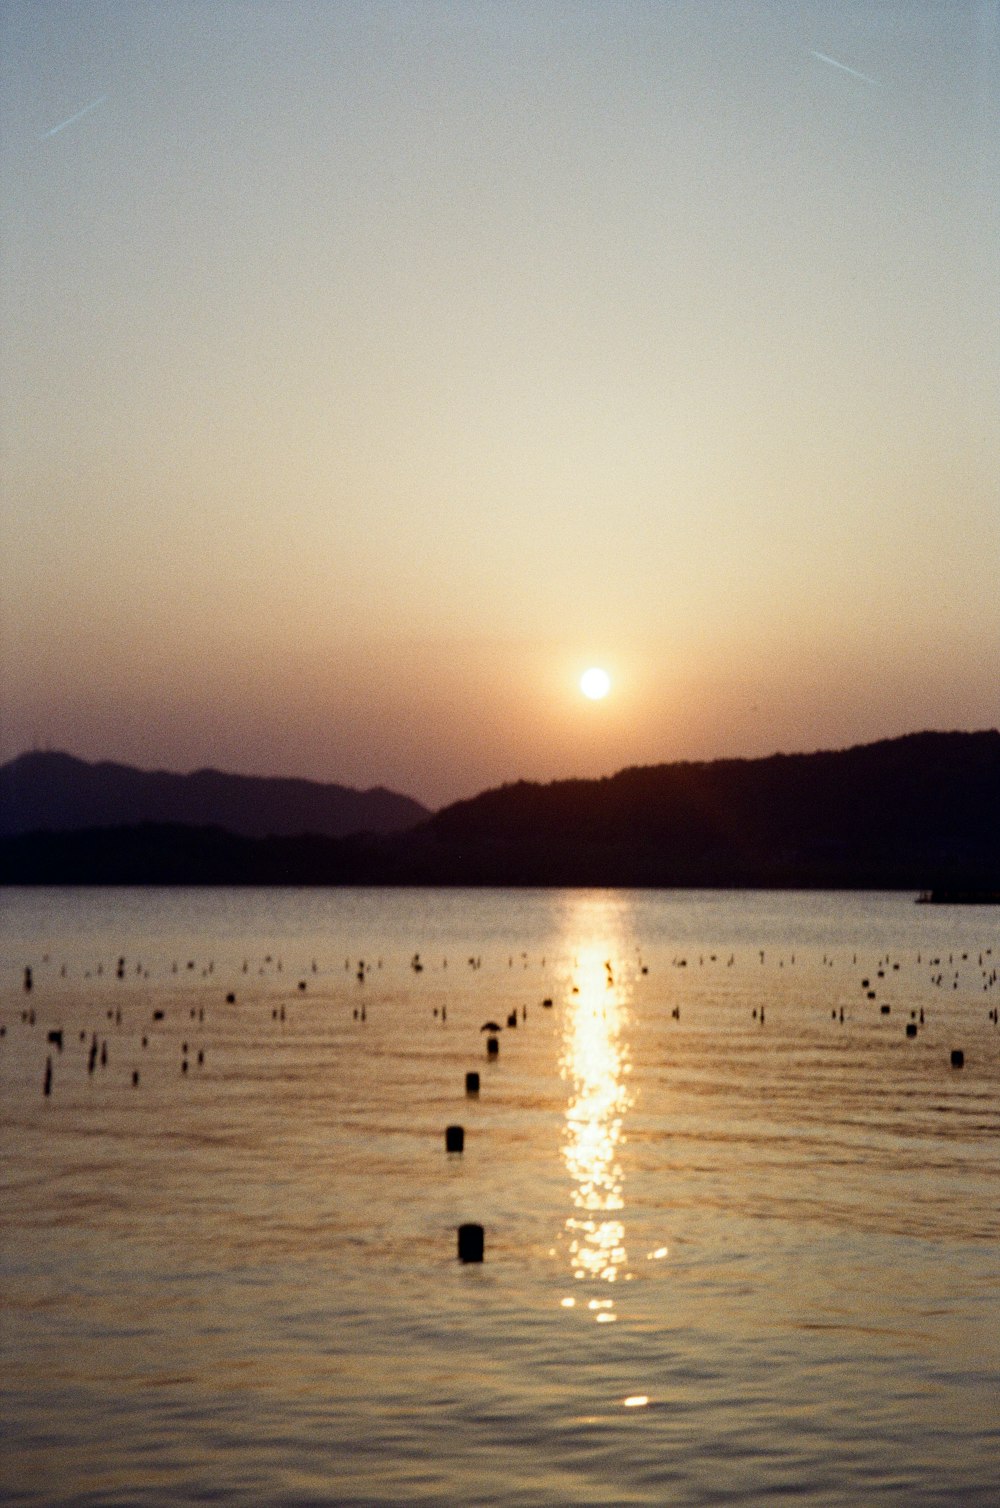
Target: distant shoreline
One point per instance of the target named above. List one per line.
(919, 813)
(959, 898)
(172, 855)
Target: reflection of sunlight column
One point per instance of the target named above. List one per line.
(595, 1062)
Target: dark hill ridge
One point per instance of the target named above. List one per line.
(55, 792)
(879, 814)
(927, 780)
(915, 813)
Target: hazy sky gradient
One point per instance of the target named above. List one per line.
(371, 369)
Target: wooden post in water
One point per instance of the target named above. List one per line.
(470, 1243)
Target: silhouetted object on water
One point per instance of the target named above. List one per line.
(472, 1083)
(471, 1243)
(454, 1138)
(957, 1058)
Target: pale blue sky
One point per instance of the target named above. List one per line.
(371, 369)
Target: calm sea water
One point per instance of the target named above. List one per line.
(737, 1249)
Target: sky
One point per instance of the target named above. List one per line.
(370, 370)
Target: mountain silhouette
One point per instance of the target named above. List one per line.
(920, 812)
(55, 792)
(914, 811)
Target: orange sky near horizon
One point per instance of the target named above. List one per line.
(370, 370)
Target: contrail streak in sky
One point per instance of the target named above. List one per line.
(72, 120)
(844, 68)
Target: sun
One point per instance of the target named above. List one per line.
(595, 683)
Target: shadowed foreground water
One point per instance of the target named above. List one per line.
(737, 1249)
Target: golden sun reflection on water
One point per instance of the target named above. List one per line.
(595, 1063)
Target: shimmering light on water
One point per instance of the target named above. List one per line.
(239, 1283)
(595, 1065)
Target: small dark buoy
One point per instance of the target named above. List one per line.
(547, 1002)
(302, 984)
(48, 1076)
(471, 1241)
(56, 1038)
(230, 998)
(911, 1028)
(27, 977)
(454, 1138)
(135, 1077)
(157, 1015)
(957, 1058)
(885, 1010)
(492, 1047)
(512, 1019)
(472, 1083)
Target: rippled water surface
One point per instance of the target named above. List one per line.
(737, 1248)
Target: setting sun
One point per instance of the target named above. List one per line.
(595, 683)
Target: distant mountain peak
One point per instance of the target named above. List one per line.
(55, 791)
